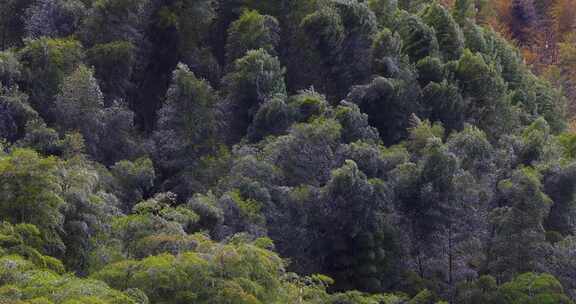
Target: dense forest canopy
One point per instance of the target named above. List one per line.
(287, 151)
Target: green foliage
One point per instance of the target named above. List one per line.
(518, 223)
(10, 68)
(568, 143)
(25, 283)
(445, 104)
(110, 21)
(255, 78)
(385, 11)
(46, 62)
(16, 113)
(419, 38)
(252, 31)
(533, 288)
(481, 82)
(80, 97)
(133, 180)
(430, 69)
(113, 64)
(187, 128)
(107, 131)
(464, 11)
(229, 273)
(190, 18)
(341, 33)
(327, 27)
(387, 53)
(448, 33)
(392, 102)
(377, 145)
(11, 23)
(31, 194)
(305, 153)
(189, 111)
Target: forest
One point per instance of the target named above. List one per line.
(287, 151)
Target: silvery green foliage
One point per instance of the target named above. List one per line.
(88, 213)
(376, 161)
(355, 126)
(108, 132)
(385, 11)
(188, 123)
(272, 118)
(133, 181)
(81, 102)
(15, 113)
(80, 97)
(387, 53)
(560, 261)
(10, 69)
(120, 20)
(559, 184)
(306, 154)
(119, 139)
(518, 224)
(54, 18)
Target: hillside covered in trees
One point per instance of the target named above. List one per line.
(283, 151)
(545, 33)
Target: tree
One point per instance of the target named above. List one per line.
(19, 273)
(559, 261)
(133, 181)
(341, 34)
(187, 125)
(190, 18)
(463, 11)
(31, 194)
(81, 101)
(10, 69)
(237, 272)
(489, 107)
(558, 185)
(109, 21)
(273, 118)
(361, 251)
(155, 226)
(419, 39)
(88, 211)
(533, 288)
(384, 10)
(448, 34)
(113, 65)
(54, 18)
(355, 125)
(305, 154)
(252, 31)
(46, 62)
(15, 113)
(390, 103)
(108, 131)
(11, 23)
(518, 224)
(255, 78)
(387, 56)
(445, 104)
